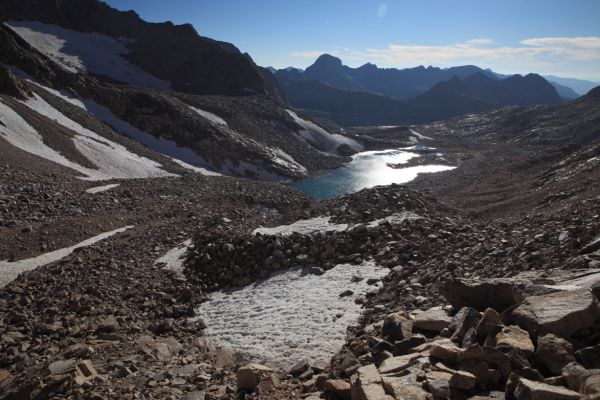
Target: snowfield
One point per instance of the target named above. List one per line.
(289, 316)
(113, 160)
(327, 141)
(303, 226)
(85, 52)
(9, 271)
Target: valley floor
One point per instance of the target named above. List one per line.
(108, 321)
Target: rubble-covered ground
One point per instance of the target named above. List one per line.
(489, 290)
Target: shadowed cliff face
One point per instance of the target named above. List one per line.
(173, 53)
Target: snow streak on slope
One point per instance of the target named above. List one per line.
(99, 189)
(214, 118)
(20, 134)
(9, 271)
(90, 52)
(289, 316)
(303, 226)
(112, 160)
(183, 156)
(327, 141)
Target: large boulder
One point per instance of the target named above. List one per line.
(250, 375)
(498, 294)
(366, 384)
(561, 313)
(397, 326)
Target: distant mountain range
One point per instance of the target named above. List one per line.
(369, 95)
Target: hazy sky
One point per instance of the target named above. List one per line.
(560, 37)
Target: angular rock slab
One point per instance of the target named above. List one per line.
(498, 294)
(532, 390)
(561, 313)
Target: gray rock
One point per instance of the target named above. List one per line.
(531, 390)
(498, 294)
(561, 313)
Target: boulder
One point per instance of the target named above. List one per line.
(366, 384)
(589, 357)
(404, 346)
(439, 384)
(250, 375)
(339, 388)
(515, 337)
(405, 388)
(489, 321)
(84, 372)
(397, 326)
(444, 349)
(465, 320)
(553, 353)
(561, 313)
(434, 319)
(397, 364)
(463, 380)
(532, 390)
(498, 294)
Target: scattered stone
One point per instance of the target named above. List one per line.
(338, 387)
(397, 326)
(463, 380)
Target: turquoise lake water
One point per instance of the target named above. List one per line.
(367, 169)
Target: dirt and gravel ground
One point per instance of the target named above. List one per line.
(500, 213)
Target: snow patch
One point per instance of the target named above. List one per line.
(9, 271)
(420, 136)
(183, 156)
(303, 226)
(289, 316)
(16, 131)
(104, 188)
(174, 258)
(214, 118)
(113, 160)
(327, 141)
(323, 224)
(86, 52)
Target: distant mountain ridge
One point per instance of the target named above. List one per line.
(345, 99)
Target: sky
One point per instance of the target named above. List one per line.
(558, 37)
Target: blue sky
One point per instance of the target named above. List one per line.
(560, 37)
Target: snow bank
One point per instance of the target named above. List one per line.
(289, 316)
(16, 131)
(86, 52)
(323, 224)
(304, 226)
(174, 258)
(214, 118)
(113, 161)
(329, 142)
(9, 271)
(104, 188)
